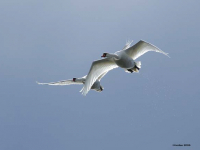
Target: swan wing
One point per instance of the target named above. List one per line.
(63, 82)
(102, 75)
(127, 45)
(97, 69)
(141, 48)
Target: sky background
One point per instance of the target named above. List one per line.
(55, 40)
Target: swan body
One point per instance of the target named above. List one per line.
(125, 61)
(124, 58)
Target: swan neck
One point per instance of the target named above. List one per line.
(114, 56)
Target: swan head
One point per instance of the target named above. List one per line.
(108, 55)
(74, 79)
(104, 55)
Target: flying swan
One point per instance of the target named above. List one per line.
(124, 58)
(96, 85)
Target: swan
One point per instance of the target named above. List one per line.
(96, 85)
(124, 58)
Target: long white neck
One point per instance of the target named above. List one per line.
(80, 80)
(113, 56)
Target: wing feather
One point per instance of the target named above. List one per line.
(102, 75)
(63, 82)
(141, 48)
(97, 69)
(127, 45)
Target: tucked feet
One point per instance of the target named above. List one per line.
(131, 71)
(137, 67)
(101, 88)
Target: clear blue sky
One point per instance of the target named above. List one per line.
(55, 40)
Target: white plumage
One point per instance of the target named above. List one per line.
(96, 85)
(124, 59)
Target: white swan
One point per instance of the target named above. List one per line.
(124, 59)
(96, 86)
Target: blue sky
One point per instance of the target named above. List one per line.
(55, 40)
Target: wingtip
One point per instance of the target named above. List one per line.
(129, 42)
(39, 83)
(167, 54)
(83, 92)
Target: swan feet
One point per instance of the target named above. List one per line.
(131, 71)
(137, 67)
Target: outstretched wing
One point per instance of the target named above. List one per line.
(141, 48)
(63, 82)
(102, 75)
(97, 69)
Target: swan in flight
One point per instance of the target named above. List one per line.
(124, 58)
(96, 85)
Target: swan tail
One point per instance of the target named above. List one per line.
(138, 64)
